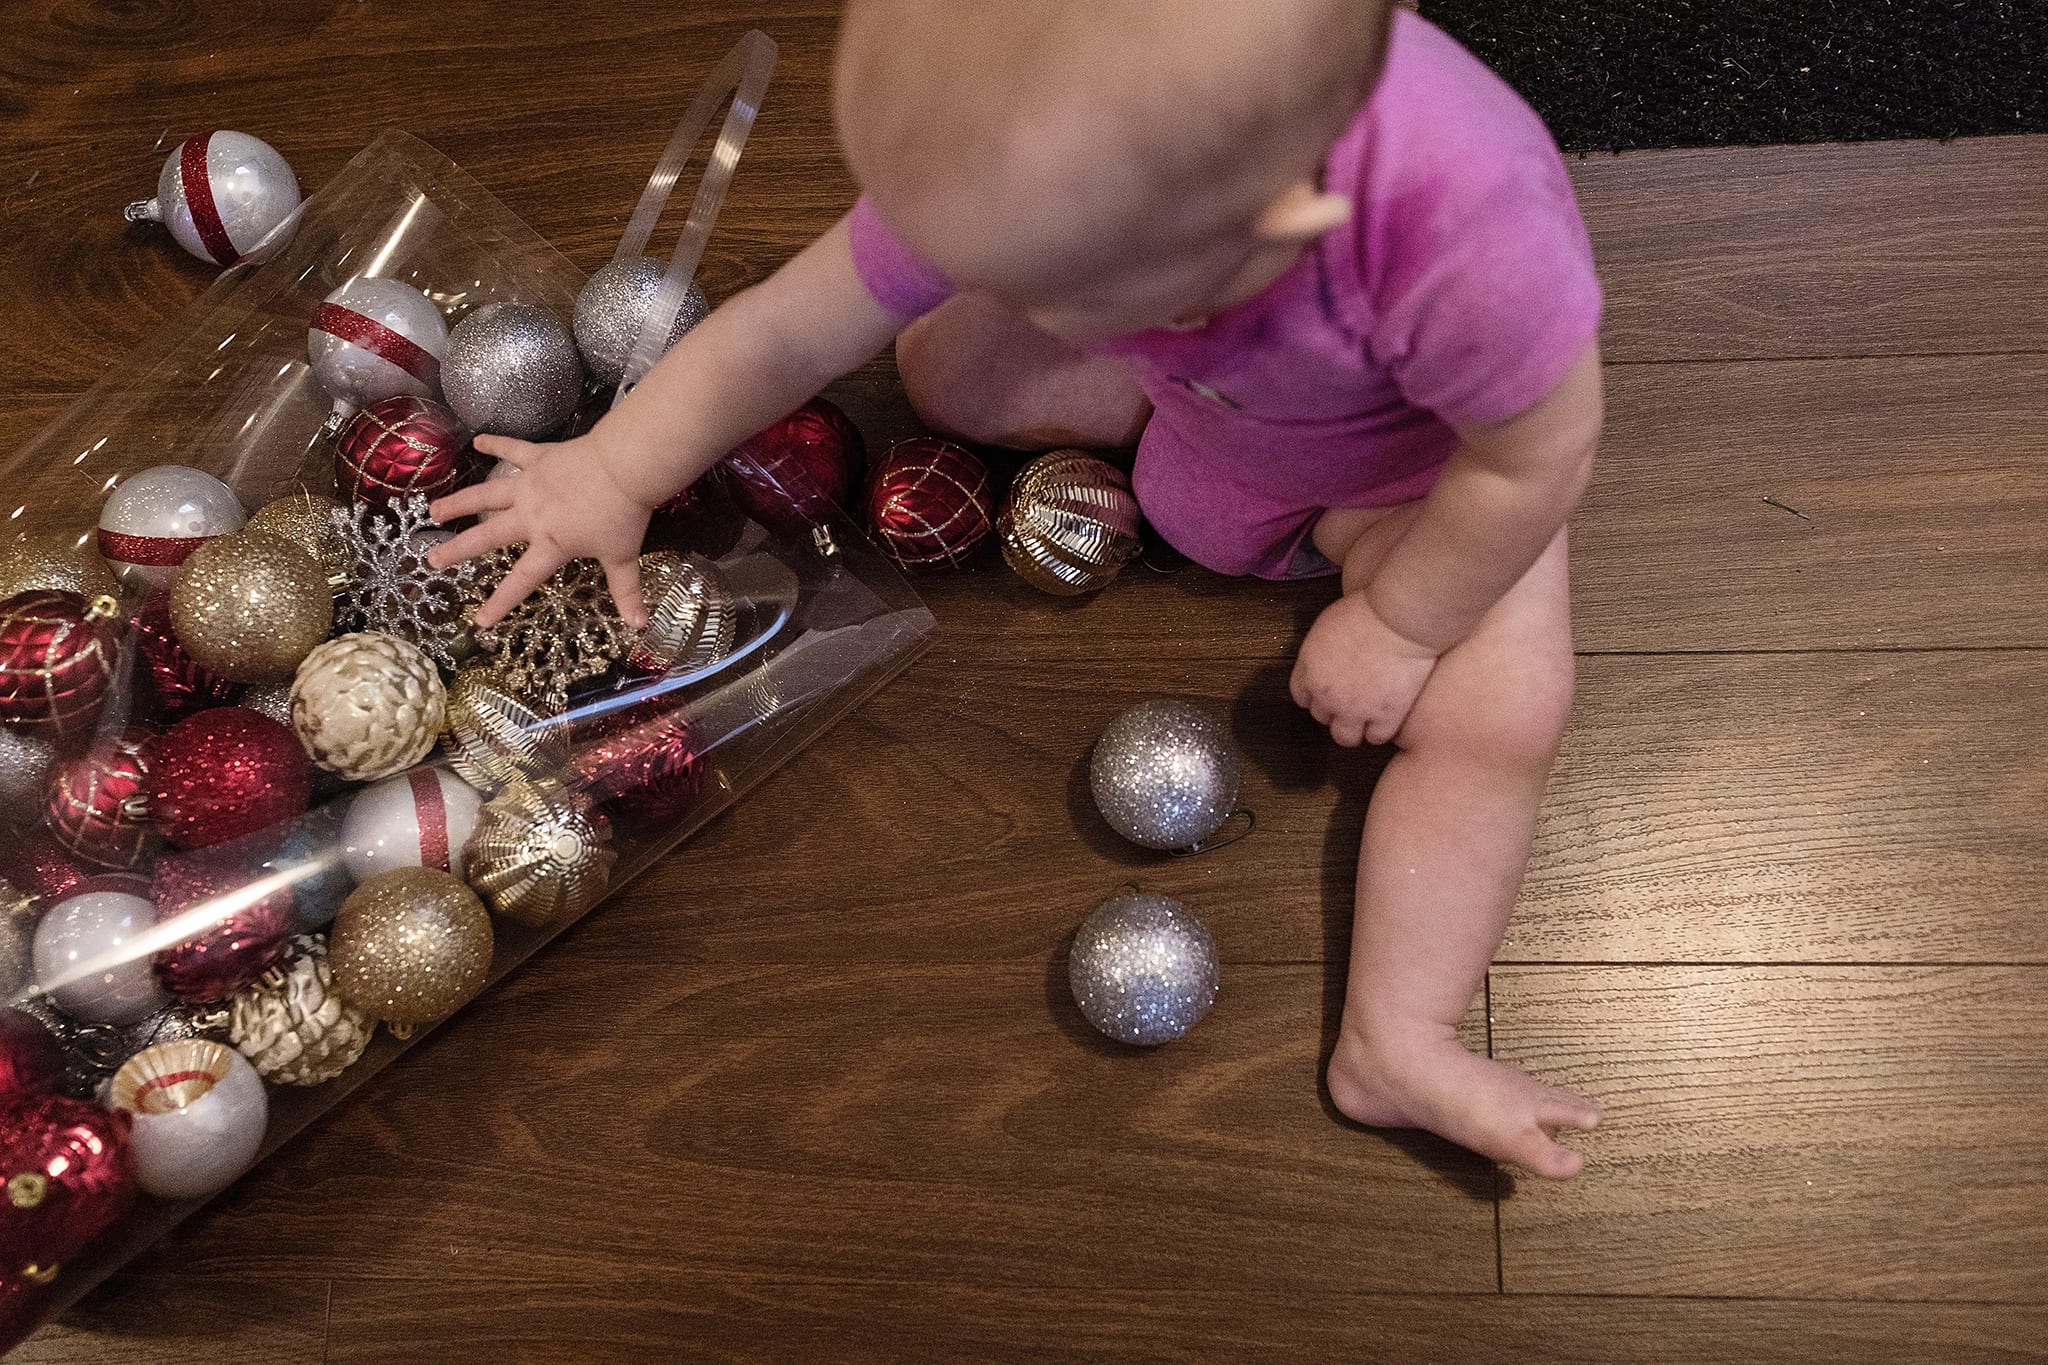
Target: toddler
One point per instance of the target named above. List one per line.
(1330, 267)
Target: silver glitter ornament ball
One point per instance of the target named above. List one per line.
(511, 369)
(1165, 774)
(613, 307)
(1143, 968)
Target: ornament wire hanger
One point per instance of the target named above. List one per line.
(743, 77)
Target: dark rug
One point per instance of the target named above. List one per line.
(1609, 75)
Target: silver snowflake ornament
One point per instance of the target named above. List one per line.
(392, 588)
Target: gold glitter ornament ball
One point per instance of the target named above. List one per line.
(368, 705)
(250, 606)
(411, 946)
(1069, 523)
(311, 522)
(55, 561)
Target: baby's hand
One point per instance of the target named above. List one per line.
(1358, 675)
(565, 503)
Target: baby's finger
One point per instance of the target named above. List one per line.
(623, 578)
(487, 535)
(1297, 686)
(1347, 732)
(530, 572)
(493, 496)
(1382, 729)
(508, 448)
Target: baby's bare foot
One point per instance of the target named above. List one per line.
(1429, 1081)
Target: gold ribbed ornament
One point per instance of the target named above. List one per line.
(541, 853)
(494, 737)
(1069, 523)
(692, 619)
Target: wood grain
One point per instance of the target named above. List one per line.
(1788, 1132)
(189, 1320)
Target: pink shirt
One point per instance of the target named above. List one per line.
(1458, 294)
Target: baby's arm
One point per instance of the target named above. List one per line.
(751, 361)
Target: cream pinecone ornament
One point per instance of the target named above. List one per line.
(293, 1026)
(368, 705)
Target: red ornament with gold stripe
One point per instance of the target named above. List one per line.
(58, 654)
(373, 339)
(399, 446)
(98, 804)
(931, 503)
(793, 474)
(225, 196)
(158, 516)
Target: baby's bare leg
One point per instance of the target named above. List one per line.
(978, 371)
(1446, 842)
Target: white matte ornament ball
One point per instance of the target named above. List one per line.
(420, 818)
(1142, 968)
(613, 307)
(224, 196)
(99, 926)
(156, 517)
(374, 339)
(512, 370)
(199, 1112)
(1165, 774)
(368, 705)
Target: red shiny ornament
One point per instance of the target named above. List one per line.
(214, 962)
(98, 805)
(170, 677)
(400, 446)
(39, 866)
(30, 1062)
(225, 773)
(57, 658)
(640, 763)
(789, 476)
(931, 503)
(67, 1173)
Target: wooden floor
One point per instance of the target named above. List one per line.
(812, 1088)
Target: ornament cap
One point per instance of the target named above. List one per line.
(144, 211)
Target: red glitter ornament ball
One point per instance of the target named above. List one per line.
(400, 446)
(171, 678)
(789, 476)
(640, 763)
(225, 773)
(57, 658)
(30, 1062)
(98, 805)
(217, 959)
(38, 866)
(68, 1174)
(930, 503)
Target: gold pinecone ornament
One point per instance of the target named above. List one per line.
(293, 1026)
(368, 705)
(541, 853)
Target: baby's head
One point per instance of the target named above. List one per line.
(1104, 165)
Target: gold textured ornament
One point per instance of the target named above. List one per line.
(692, 619)
(541, 853)
(494, 737)
(411, 946)
(566, 631)
(309, 521)
(58, 561)
(368, 705)
(293, 1025)
(1069, 523)
(250, 606)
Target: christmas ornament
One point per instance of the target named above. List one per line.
(612, 309)
(173, 682)
(1164, 774)
(56, 561)
(494, 737)
(421, 818)
(692, 618)
(68, 1175)
(58, 654)
(223, 195)
(541, 853)
(95, 931)
(37, 866)
(250, 606)
(225, 773)
(1142, 968)
(17, 937)
(1069, 523)
(391, 587)
(199, 1112)
(97, 806)
(512, 369)
(240, 932)
(368, 705)
(791, 475)
(566, 631)
(308, 521)
(410, 947)
(274, 702)
(94, 1052)
(154, 519)
(293, 1025)
(398, 446)
(30, 1063)
(373, 339)
(930, 503)
(310, 861)
(642, 765)
(25, 763)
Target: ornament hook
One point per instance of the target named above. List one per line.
(1197, 849)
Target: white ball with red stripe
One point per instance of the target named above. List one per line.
(374, 339)
(421, 818)
(158, 516)
(224, 196)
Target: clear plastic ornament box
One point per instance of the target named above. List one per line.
(227, 389)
